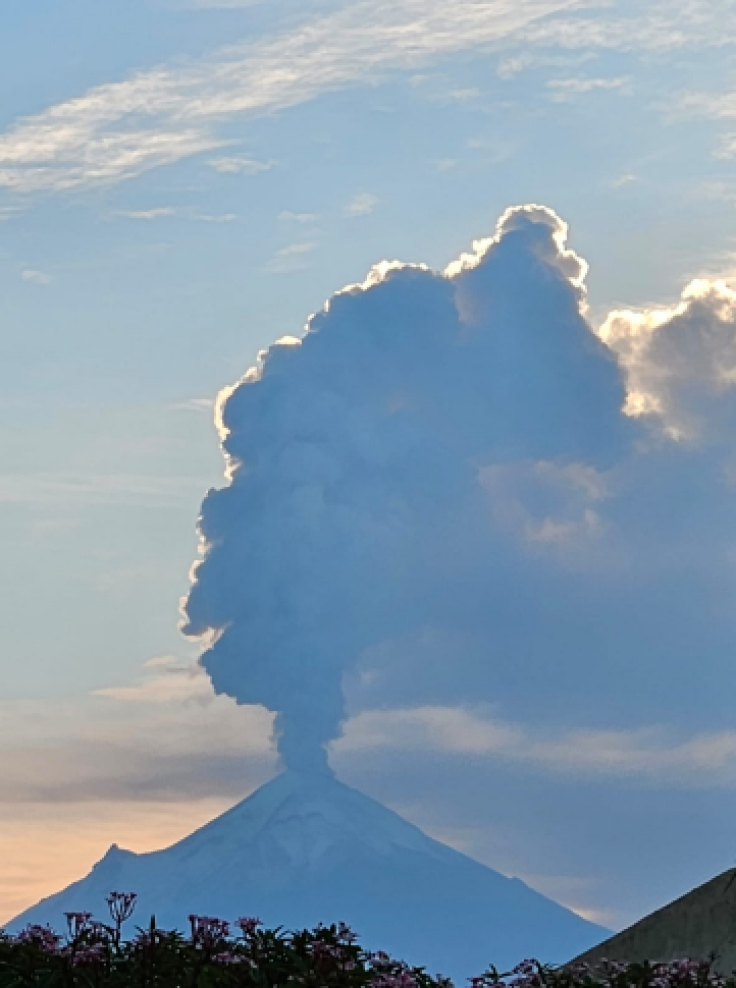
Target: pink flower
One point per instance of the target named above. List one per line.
(92, 954)
(40, 936)
(248, 924)
(121, 905)
(77, 922)
(230, 958)
(208, 931)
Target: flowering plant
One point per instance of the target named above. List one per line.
(219, 954)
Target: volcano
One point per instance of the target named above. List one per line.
(303, 849)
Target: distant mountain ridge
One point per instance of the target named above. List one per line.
(306, 848)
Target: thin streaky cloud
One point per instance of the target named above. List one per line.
(240, 165)
(290, 258)
(628, 179)
(65, 490)
(726, 147)
(130, 741)
(465, 95)
(293, 249)
(513, 65)
(157, 213)
(654, 752)
(286, 216)
(714, 105)
(195, 405)
(494, 151)
(664, 25)
(142, 751)
(565, 90)
(719, 107)
(36, 277)
(70, 147)
(117, 131)
(361, 204)
(168, 212)
(215, 218)
(173, 682)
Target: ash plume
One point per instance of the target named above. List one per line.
(360, 459)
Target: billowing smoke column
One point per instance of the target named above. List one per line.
(364, 459)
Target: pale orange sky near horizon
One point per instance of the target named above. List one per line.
(44, 848)
(33, 867)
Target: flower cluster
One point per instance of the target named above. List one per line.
(42, 937)
(208, 932)
(121, 906)
(607, 973)
(90, 953)
(77, 923)
(684, 972)
(93, 956)
(389, 973)
(248, 925)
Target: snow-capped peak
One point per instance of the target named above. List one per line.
(299, 819)
(305, 849)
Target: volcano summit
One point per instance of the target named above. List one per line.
(305, 848)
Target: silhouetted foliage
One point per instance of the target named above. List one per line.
(219, 954)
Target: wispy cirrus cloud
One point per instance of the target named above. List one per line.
(566, 90)
(629, 178)
(361, 205)
(138, 748)
(61, 489)
(662, 25)
(169, 680)
(169, 212)
(655, 753)
(303, 219)
(168, 736)
(290, 258)
(511, 66)
(116, 131)
(240, 165)
(36, 277)
(157, 213)
(201, 405)
(720, 108)
(712, 106)
(72, 145)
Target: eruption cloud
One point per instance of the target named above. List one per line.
(377, 465)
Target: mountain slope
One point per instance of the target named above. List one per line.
(694, 925)
(304, 849)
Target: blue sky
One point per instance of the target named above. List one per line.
(181, 184)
